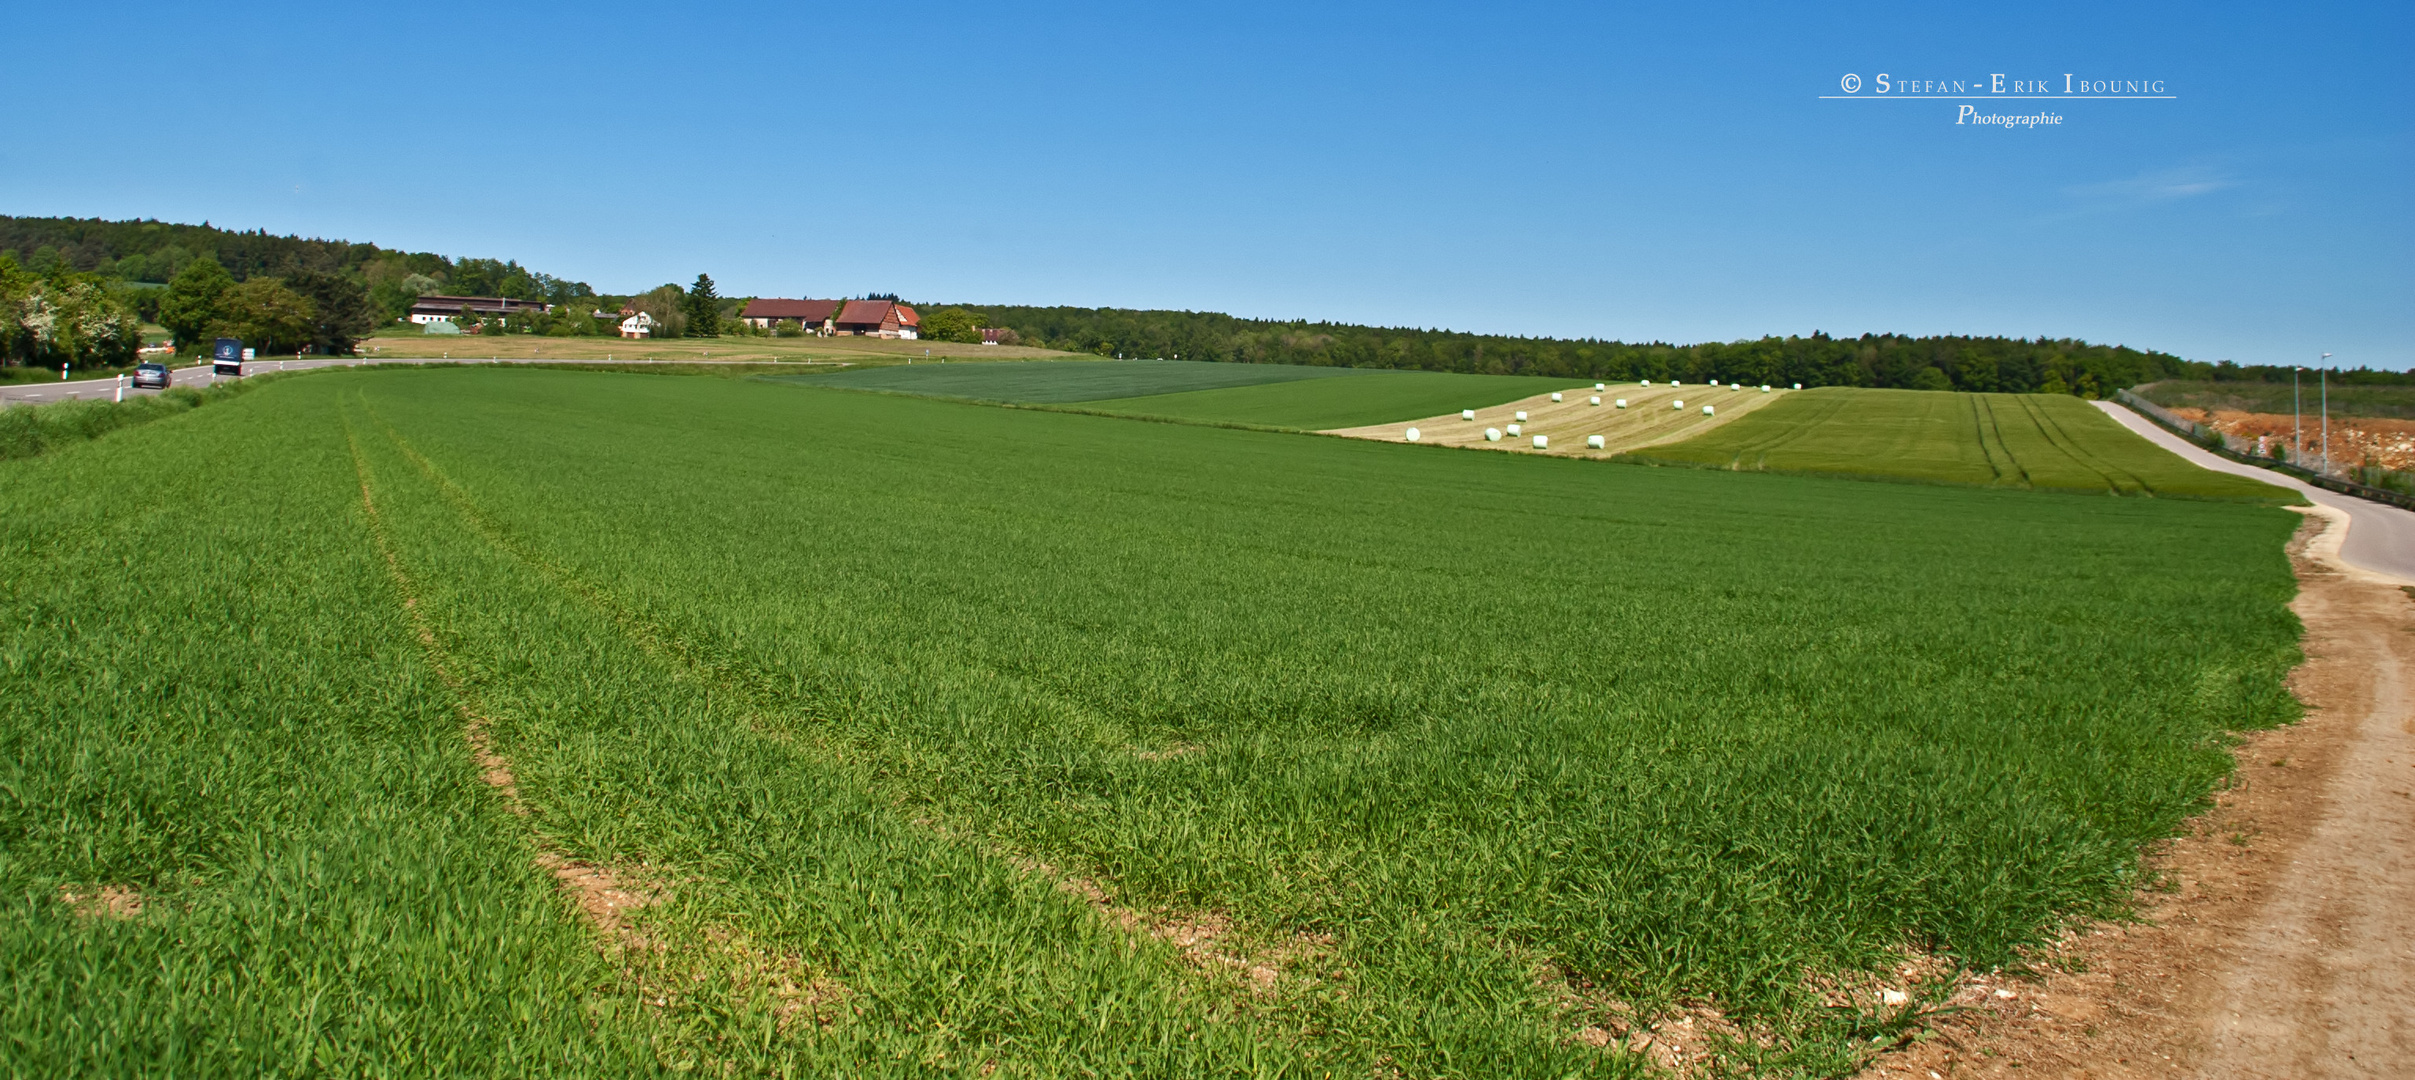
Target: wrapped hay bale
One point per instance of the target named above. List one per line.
(1593, 442)
(1521, 417)
(1706, 410)
(1622, 403)
(1595, 399)
(1555, 397)
(1513, 429)
(1492, 434)
(1542, 442)
(1413, 433)
(1467, 414)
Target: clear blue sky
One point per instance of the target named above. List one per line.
(1663, 172)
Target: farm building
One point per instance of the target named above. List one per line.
(878, 318)
(428, 309)
(637, 325)
(814, 315)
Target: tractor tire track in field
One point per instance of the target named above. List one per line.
(2275, 946)
(1206, 940)
(600, 894)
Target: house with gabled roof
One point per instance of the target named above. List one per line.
(811, 315)
(878, 318)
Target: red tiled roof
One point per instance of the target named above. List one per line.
(906, 316)
(864, 313)
(808, 311)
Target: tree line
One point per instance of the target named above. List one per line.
(1985, 364)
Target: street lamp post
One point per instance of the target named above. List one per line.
(2325, 376)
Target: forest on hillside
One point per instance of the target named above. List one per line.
(2009, 365)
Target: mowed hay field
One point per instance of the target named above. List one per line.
(1629, 416)
(547, 723)
(2051, 442)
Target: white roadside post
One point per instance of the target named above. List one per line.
(1593, 442)
(121, 387)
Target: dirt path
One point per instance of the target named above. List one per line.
(2285, 947)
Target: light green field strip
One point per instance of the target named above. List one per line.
(1374, 397)
(941, 735)
(1626, 416)
(2041, 441)
(1064, 381)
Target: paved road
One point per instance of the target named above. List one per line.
(106, 389)
(2380, 538)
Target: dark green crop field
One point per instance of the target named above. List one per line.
(2387, 402)
(889, 736)
(1062, 381)
(1375, 398)
(2049, 442)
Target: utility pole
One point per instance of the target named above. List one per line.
(2297, 421)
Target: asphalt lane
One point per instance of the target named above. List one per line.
(40, 393)
(2381, 538)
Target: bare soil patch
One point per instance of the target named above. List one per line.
(1652, 416)
(102, 901)
(2355, 440)
(2277, 943)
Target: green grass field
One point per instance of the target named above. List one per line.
(949, 736)
(2047, 442)
(1053, 382)
(2388, 402)
(1374, 398)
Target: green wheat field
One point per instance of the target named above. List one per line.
(929, 738)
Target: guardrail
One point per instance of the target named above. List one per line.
(2215, 442)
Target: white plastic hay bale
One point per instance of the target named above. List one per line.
(1647, 382)
(1542, 442)
(1673, 382)
(1621, 403)
(1413, 433)
(1714, 382)
(1798, 386)
(1593, 442)
(1679, 406)
(1764, 388)
(1513, 429)
(1555, 398)
(1521, 417)
(1492, 434)
(1595, 399)
(1706, 411)
(1601, 386)
(1467, 414)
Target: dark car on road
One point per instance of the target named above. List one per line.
(150, 376)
